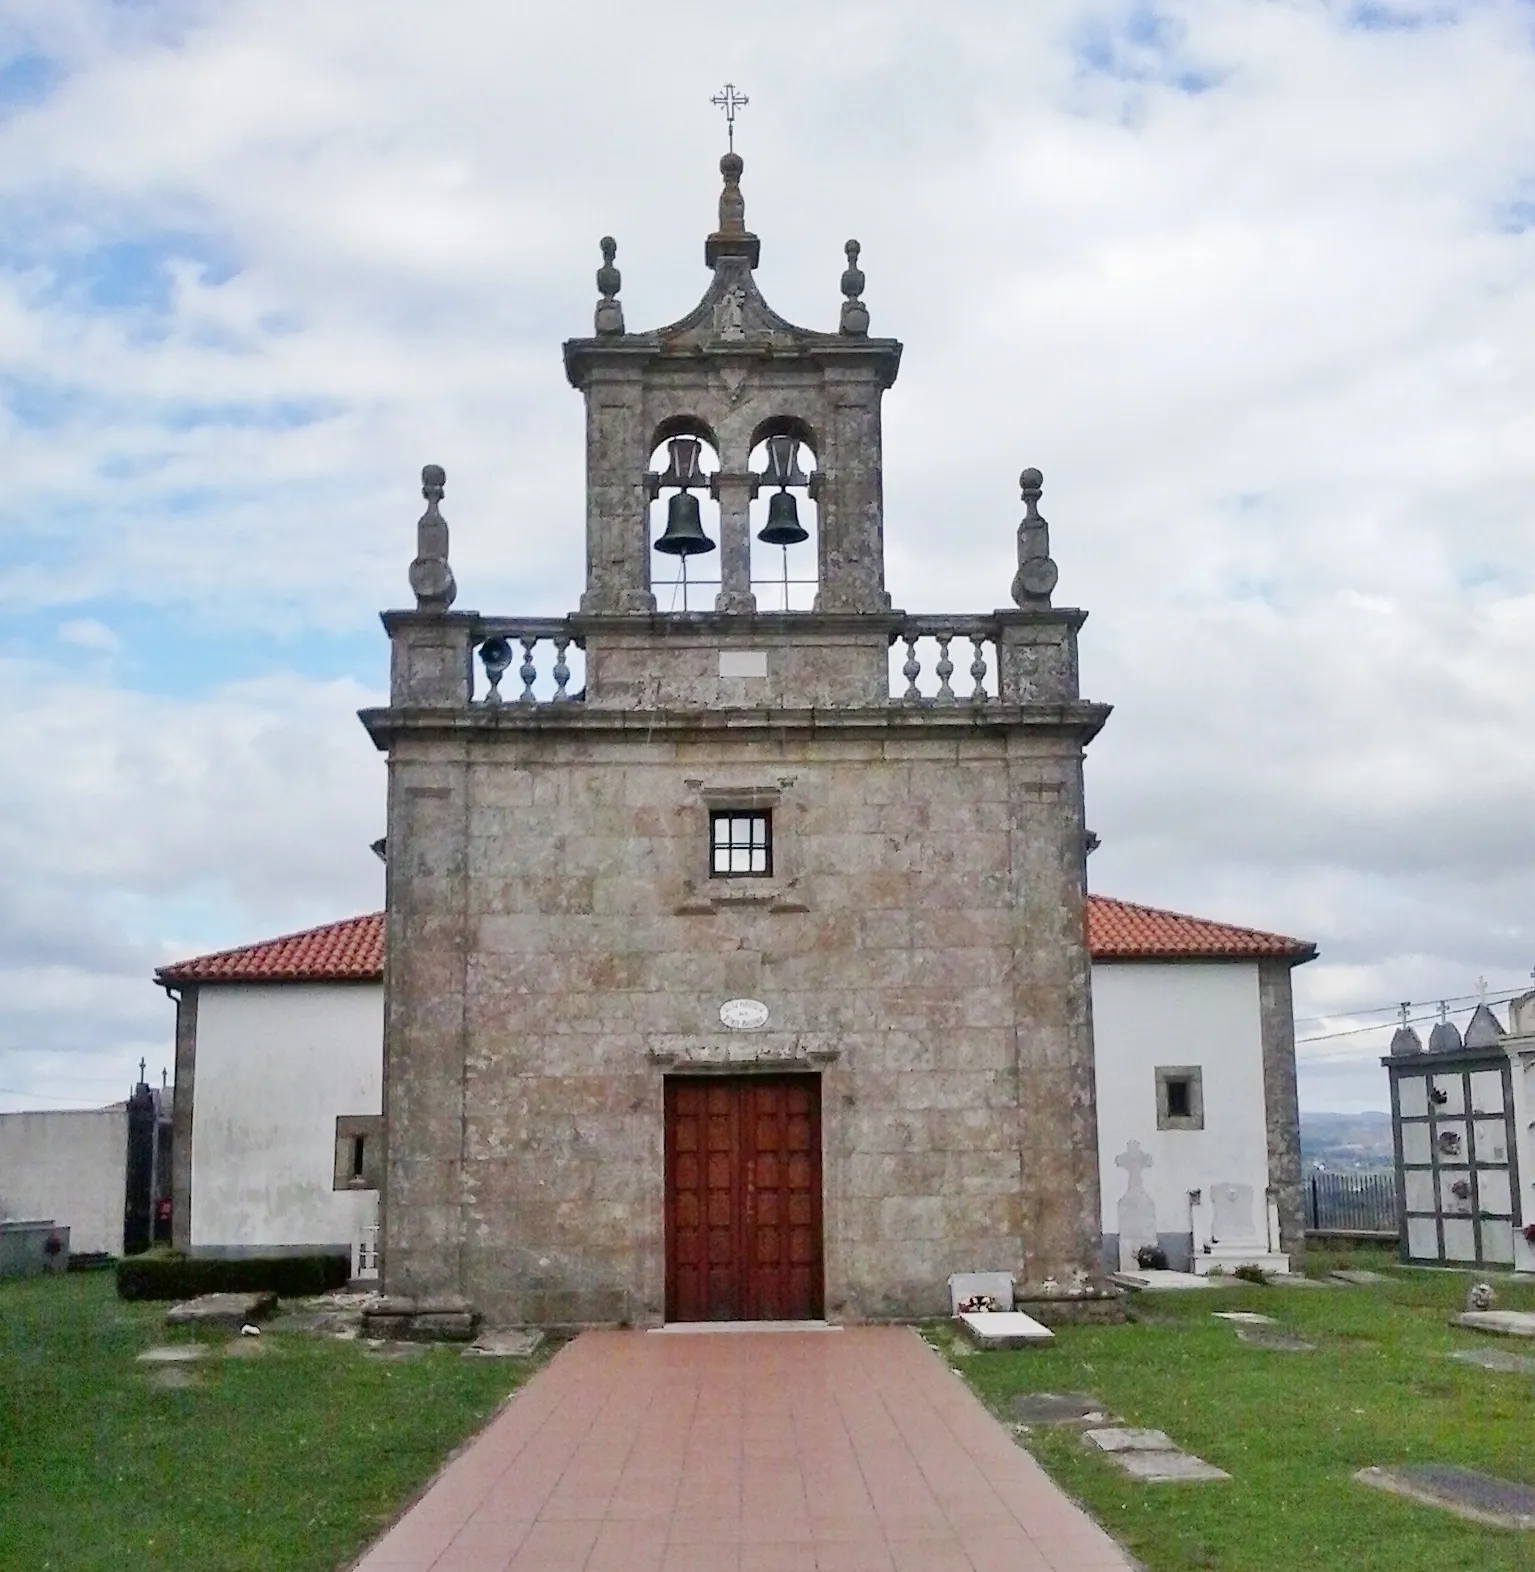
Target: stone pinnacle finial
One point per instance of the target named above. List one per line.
(1037, 574)
(430, 576)
(732, 203)
(855, 315)
(609, 315)
(732, 238)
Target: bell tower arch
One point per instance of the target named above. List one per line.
(734, 368)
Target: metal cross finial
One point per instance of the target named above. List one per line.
(1404, 1009)
(729, 100)
(1481, 990)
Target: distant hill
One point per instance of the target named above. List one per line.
(1344, 1142)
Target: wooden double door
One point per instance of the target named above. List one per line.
(743, 1198)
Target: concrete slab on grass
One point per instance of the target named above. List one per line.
(514, 1343)
(1274, 1340)
(1050, 1408)
(1004, 1329)
(1482, 1498)
(1118, 1439)
(1166, 1468)
(1505, 1323)
(225, 1312)
(1495, 1359)
(172, 1354)
(1246, 1317)
(1151, 1456)
(1166, 1280)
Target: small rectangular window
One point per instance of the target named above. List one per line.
(741, 845)
(359, 1151)
(1180, 1097)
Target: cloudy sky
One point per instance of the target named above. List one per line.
(1252, 281)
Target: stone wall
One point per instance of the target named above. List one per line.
(555, 942)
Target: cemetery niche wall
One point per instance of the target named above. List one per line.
(1462, 1112)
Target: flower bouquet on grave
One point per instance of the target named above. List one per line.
(982, 1303)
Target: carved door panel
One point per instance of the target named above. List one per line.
(743, 1198)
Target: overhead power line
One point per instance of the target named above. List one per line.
(1392, 1009)
(1413, 1020)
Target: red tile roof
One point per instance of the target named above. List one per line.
(1120, 931)
(350, 951)
(353, 950)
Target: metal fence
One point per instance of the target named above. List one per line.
(1351, 1203)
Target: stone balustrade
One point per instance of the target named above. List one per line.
(508, 645)
(973, 640)
(959, 661)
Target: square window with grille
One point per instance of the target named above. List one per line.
(741, 845)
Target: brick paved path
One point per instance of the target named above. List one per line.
(855, 1450)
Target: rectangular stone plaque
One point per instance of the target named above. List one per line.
(743, 663)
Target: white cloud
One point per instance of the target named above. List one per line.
(87, 634)
(1246, 281)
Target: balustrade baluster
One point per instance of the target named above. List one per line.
(978, 668)
(561, 670)
(527, 670)
(945, 668)
(911, 671)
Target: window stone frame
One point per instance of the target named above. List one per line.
(705, 892)
(371, 1128)
(1194, 1119)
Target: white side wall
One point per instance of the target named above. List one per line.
(276, 1064)
(1147, 1014)
(71, 1167)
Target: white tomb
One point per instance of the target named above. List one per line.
(1228, 1234)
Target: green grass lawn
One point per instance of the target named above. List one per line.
(288, 1461)
(1291, 1428)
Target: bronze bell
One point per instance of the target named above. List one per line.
(684, 535)
(783, 527)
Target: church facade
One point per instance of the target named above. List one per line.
(748, 980)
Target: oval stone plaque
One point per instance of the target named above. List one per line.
(743, 1015)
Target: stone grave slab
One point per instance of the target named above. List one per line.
(513, 1343)
(1506, 1323)
(1163, 1468)
(392, 1352)
(1150, 1456)
(1274, 1340)
(1246, 1317)
(1501, 1503)
(1004, 1329)
(1495, 1359)
(172, 1354)
(223, 1312)
(1117, 1438)
(1050, 1408)
(1165, 1280)
(1357, 1277)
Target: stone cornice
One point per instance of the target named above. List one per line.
(1080, 721)
(646, 351)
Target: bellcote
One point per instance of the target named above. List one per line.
(724, 382)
